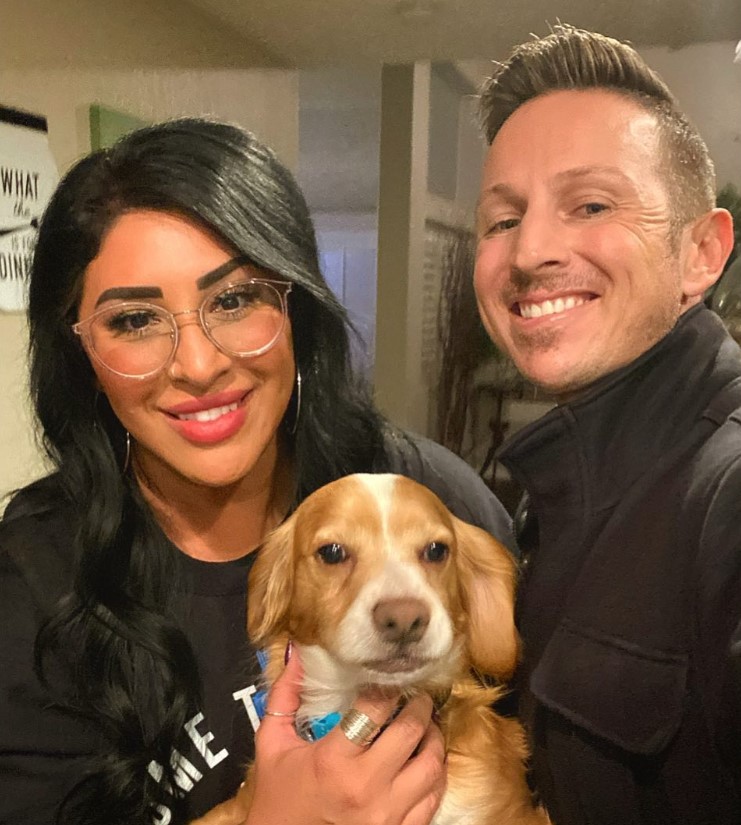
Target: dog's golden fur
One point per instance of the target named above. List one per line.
(401, 551)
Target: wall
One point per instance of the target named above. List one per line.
(347, 244)
(338, 168)
(708, 86)
(339, 117)
(152, 60)
(399, 382)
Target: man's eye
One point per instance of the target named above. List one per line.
(503, 226)
(332, 553)
(593, 208)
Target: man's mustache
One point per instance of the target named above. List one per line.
(523, 281)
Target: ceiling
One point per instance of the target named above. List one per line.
(339, 109)
(310, 33)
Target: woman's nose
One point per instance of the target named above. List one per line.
(197, 359)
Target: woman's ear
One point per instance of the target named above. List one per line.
(705, 246)
(487, 573)
(271, 585)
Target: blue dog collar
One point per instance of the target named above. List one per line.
(316, 728)
(309, 729)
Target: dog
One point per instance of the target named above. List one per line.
(377, 583)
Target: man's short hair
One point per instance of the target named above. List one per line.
(570, 58)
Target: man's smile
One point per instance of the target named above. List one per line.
(536, 309)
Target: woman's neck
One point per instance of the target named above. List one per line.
(220, 523)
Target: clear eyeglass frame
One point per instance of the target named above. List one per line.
(281, 288)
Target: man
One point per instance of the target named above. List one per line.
(598, 237)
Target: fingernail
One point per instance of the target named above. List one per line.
(288, 653)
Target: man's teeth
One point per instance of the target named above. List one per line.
(209, 415)
(550, 307)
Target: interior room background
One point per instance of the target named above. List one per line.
(372, 105)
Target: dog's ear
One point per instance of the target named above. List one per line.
(487, 573)
(271, 585)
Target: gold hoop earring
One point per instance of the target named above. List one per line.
(127, 456)
(294, 426)
(99, 425)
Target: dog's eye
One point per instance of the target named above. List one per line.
(332, 553)
(435, 551)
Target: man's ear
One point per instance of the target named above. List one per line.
(706, 244)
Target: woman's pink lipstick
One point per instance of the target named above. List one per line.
(210, 419)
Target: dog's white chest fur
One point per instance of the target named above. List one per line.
(453, 811)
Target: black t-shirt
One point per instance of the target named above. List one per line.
(46, 750)
(220, 738)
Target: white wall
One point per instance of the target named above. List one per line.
(400, 386)
(338, 168)
(151, 60)
(339, 120)
(348, 253)
(708, 86)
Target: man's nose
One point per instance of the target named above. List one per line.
(541, 241)
(197, 359)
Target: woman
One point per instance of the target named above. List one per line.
(189, 368)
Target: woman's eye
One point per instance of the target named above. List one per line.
(234, 300)
(231, 301)
(436, 552)
(138, 322)
(332, 553)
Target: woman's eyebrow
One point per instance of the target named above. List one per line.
(128, 293)
(137, 293)
(215, 275)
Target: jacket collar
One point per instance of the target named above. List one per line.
(584, 454)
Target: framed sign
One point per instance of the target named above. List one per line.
(108, 125)
(28, 176)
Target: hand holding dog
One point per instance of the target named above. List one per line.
(400, 780)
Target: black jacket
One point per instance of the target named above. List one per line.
(632, 589)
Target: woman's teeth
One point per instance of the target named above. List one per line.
(209, 415)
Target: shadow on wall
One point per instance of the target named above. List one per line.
(725, 296)
(481, 398)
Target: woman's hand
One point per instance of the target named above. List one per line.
(398, 780)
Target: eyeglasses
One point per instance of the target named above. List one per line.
(136, 339)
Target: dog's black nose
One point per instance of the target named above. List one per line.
(401, 621)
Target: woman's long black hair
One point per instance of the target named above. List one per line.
(132, 667)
